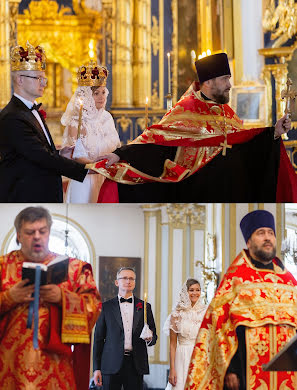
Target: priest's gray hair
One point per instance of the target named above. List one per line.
(32, 214)
(126, 269)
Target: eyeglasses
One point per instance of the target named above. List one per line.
(39, 78)
(126, 279)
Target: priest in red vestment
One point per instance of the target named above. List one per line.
(200, 152)
(252, 316)
(67, 313)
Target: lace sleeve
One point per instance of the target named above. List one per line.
(172, 323)
(175, 320)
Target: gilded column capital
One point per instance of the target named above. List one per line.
(180, 214)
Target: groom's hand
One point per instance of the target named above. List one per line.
(98, 378)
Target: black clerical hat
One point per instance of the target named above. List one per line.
(255, 220)
(212, 66)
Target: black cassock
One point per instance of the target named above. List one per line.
(248, 173)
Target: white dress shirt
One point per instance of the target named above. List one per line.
(35, 113)
(127, 312)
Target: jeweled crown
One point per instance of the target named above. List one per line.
(92, 75)
(28, 58)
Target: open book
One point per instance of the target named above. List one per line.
(55, 272)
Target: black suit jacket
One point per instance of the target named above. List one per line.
(108, 350)
(30, 167)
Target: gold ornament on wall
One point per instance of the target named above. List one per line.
(66, 39)
(155, 35)
(179, 214)
(155, 96)
(124, 122)
(281, 21)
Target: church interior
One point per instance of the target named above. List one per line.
(165, 243)
(149, 48)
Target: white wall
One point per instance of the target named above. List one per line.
(114, 230)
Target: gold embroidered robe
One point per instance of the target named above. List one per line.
(262, 300)
(51, 366)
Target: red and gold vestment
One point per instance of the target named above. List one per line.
(199, 129)
(265, 303)
(51, 366)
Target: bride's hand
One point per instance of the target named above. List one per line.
(111, 158)
(172, 377)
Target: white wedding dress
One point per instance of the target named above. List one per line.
(185, 322)
(98, 137)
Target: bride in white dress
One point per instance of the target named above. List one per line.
(98, 135)
(183, 324)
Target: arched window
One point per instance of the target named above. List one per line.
(79, 243)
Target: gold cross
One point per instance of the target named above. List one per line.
(225, 146)
(289, 95)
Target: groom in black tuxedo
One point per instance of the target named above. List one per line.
(119, 354)
(30, 166)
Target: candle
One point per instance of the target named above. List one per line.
(144, 311)
(146, 113)
(169, 75)
(79, 118)
(193, 58)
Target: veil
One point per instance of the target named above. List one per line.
(184, 310)
(92, 141)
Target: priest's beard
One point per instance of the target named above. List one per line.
(258, 253)
(221, 98)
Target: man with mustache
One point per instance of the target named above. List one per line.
(67, 313)
(200, 152)
(252, 316)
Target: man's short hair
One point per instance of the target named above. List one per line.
(126, 269)
(32, 214)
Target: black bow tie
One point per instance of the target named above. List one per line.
(129, 300)
(36, 106)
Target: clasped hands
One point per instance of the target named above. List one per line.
(20, 293)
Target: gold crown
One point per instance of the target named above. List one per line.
(92, 75)
(30, 58)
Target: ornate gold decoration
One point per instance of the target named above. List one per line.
(155, 96)
(179, 214)
(141, 123)
(124, 122)
(13, 12)
(45, 9)
(65, 37)
(28, 58)
(288, 94)
(155, 35)
(279, 72)
(281, 21)
(92, 75)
